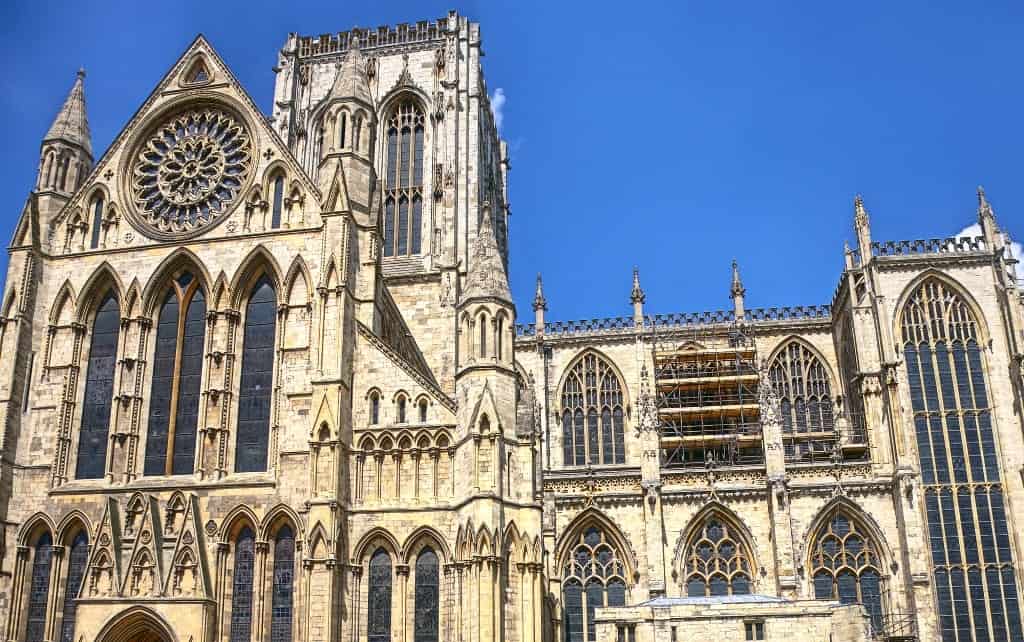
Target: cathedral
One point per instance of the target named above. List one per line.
(262, 379)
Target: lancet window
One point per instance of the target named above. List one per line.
(241, 593)
(177, 371)
(77, 560)
(972, 560)
(39, 588)
(717, 562)
(845, 566)
(282, 597)
(427, 597)
(801, 382)
(378, 610)
(592, 414)
(254, 395)
(594, 576)
(403, 193)
(99, 390)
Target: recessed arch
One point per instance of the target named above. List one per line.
(377, 537)
(70, 525)
(238, 518)
(278, 516)
(137, 624)
(33, 527)
(984, 338)
(422, 537)
(298, 276)
(695, 531)
(594, 516)
(102, 280)
(65, 304)
(258, 262)
(180, 260)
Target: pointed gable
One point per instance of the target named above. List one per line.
(189, 574)
(103, 573)
(144, 574)
(351, 82)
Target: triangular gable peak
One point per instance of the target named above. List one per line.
(103, 574)
(198, 82)
(189, 575)
(143, 575)
(485, 406)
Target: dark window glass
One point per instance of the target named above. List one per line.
(97, 221)
(423, 411)
(389, 227)
(77, 560)
(341, 130)
(374, 408)
(275, 216)
(177, 372)
(417, 221)
(257, 378)
(39, 589)
(950, 404)
(573, 611)
(392, 157)
(594, 578)
(99, 390)
(427, 612)
(403, 226)
(567, 439)
(241, 594)
(403, 167)
(283, 587)
(593, 394)
(401, 410)
(404, 185)
(417, 166)
(716, 557)
(378, 611)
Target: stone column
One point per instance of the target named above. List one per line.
(538, 602)
(17, 604)
(56, 572)
(259, 610)
(402, 570)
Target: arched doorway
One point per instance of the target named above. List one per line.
(137, 624)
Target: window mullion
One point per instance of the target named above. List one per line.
(172, 418)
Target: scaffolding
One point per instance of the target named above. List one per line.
(707, 397)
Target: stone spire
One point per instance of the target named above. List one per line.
(862, 225)
(71, 124)
(539, 302)
(486, 275)
(637, 298)
(351, 81)
(737, 292)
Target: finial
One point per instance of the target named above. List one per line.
(984, 207)
(637, 294)
(860, 215)
(81, 72)
(539, 302)
(737, 288)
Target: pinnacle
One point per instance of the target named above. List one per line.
(71, 123)
(486, 274)
(351, 81)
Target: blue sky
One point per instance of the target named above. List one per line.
(674, 136)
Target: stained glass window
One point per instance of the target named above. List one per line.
(283, 586)
(257, 378)
(177, 370)
(99, 390)
(39, 589)
(592, 390)
(378, 610)
(845, 566)
(963, 487)
(427, 612)
(717, 562)
(404, 180)
(97, 221)
(593, 577)
(800, 381)
(275, 216)
(77, 560)
(241, 593)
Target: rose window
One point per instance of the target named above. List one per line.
(190, 170)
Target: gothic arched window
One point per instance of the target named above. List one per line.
(278, 202)
(77, 560)
(257, 378)
(963, 489)
(241, 592)
(845, 566)
(378, 609)
(401, 409)
(283, 586)
(427, 597)
(99, 390)
(97, 221)
(593, 577)
(403, 195)
(39, 589)
(801, 382)
(374, 407)
(592, 414)
(423, 411)
(717, 562)
(177, 370)
(342, 124)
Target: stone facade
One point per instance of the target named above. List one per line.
(262, 379)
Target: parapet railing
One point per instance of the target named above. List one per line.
(328, 43)
(929, 246)
(613, 325)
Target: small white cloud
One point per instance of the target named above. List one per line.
(1016, 250)
(498, 106)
